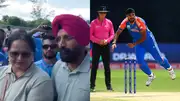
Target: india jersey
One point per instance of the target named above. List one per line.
(149, 45)
(135, 28)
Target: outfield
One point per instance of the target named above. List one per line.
(162, 86)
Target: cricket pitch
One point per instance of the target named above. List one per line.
(139, 96)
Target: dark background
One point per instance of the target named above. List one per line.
(162, 16)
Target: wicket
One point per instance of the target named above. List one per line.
(129, 64)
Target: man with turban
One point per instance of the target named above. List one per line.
(71, 74)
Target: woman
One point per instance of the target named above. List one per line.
(21, 80)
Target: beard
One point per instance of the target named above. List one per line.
(49, 57)
(70, 55)
(131, 20)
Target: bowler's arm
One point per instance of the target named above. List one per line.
(118, 32)
(122, 26)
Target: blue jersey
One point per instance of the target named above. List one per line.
(134, 29)
(38, 52)
(149, 45)
(3, 58)
(44, 66)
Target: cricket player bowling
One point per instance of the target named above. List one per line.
(143, 41)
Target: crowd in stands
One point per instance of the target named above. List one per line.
(47, 63)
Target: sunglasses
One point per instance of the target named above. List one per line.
(50, 46)
(23, 54)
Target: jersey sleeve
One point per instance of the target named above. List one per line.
(141, 25)
(122, 26)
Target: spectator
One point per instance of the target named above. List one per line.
(49, 54)
(37, 34)
(21, 80)
(8, 31)
(38, 31)
(3, 58)
(2, 37)
(71, 73)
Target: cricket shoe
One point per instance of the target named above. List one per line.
(110, 89)
(93, 90)
(172, 74)
(150, 79)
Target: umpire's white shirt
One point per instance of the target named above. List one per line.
(72, 86)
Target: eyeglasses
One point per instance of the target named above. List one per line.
(53, 46)
(23, 54)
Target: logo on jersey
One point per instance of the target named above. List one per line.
(106, 26)
(98, 26)
(128, 27)
(134, 30)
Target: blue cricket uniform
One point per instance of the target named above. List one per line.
(3, 58)
(44, 66)
(38, 52)
(149, 45)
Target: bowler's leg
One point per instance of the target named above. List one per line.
(140, 52)
(153, 49)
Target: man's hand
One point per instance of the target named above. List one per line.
(131, 45)
(113, 46)
(105, 42)
(41, 28)
(101, 42)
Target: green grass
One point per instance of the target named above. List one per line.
(162, 83)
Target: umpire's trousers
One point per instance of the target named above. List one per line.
(103, 51)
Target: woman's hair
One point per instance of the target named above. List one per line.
(21, 34)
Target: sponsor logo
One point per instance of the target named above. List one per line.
(134, 30)
(122, 56)
(128, 27)
(97, 26)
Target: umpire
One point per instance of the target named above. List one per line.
(101, 34)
